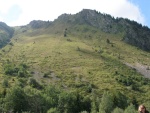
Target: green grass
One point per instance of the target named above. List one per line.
(80, 58)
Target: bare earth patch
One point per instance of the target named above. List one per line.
(143, 69)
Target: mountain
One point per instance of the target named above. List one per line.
(6, 33)
(133, 32)
(76, 63)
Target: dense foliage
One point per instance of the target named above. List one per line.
(54, 99)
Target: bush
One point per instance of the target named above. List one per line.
(16, 100)
(118, 110)
(130, 109)
(33, 83)
(52, 110)
(5, 83)
(46, 75)
(16, 70)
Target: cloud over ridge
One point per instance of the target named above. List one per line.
(51, 9)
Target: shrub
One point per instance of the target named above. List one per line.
(5, 83)
(130, 109)
(32, 82)
(16, 100)
(118, 110)
(17, 70)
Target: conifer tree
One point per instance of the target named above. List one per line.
(106, 104)
(130, 109)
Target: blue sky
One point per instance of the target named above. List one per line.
(21, 12)
(144, 6)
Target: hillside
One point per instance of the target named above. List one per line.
(74, 63)
(133, 33)
(6, 33)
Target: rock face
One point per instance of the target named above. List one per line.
(39, 24)
(134, 33)
(6, 33)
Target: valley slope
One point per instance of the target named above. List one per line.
(75, 52)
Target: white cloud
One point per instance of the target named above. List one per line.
(51, 9)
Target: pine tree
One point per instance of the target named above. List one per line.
(106, 104)
(130, 109)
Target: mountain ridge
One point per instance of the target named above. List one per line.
(133, 33)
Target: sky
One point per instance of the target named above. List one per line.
(21, 12)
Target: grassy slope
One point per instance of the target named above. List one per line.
(80, 59)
